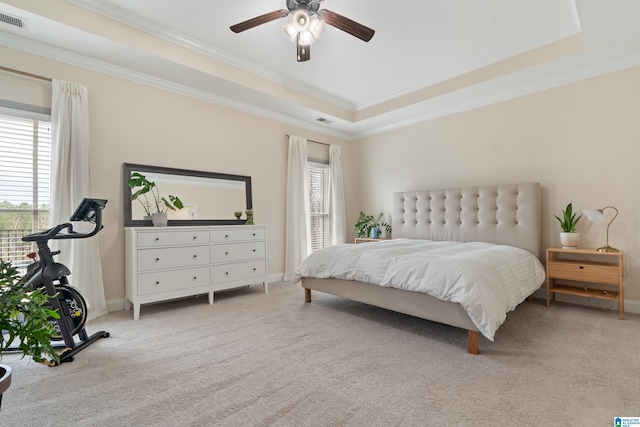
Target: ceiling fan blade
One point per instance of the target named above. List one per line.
(259, 20)
(347, 25)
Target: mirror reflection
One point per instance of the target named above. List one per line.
(208, 197)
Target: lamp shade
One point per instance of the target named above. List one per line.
(595, 215)
(300, 20)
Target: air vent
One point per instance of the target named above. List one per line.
(13, 20)
(323, 120)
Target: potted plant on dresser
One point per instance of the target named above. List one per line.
(154, 206)
(25, 320)
(569, 238)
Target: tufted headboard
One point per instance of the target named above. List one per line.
(501, 214)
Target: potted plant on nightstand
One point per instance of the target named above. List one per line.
(370, 226)
(156, 209)
(569, 238)
(25, 322)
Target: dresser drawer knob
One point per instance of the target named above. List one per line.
(195, 237)
(226, 253)
(254, 251)
(157, 283)
(226, 236)
(157, 239)
(254, 234)
(226, 274)
(195, 256)
(157, 259)
(254, 269)
(581, 267)
(195, 277)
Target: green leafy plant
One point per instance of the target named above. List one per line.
(144, 189)
(569, 220)
(25, 317)
(367, 222)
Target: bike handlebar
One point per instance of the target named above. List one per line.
(55, 232)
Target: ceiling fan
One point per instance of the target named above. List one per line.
(307, 24)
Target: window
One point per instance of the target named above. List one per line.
(318, 176)
(25, 165)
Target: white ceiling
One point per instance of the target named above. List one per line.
(427, 58)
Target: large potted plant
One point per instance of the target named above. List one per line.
(25, 321)
(147, 193)
(371, 226)
(569, 238)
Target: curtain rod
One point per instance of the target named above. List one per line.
(315, 142)
(22, 73)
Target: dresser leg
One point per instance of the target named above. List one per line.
(265, 284)
(136, 311)
(210, 298)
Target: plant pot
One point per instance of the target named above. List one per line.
(5, 380)
(159, 219)
(374, 233)
(569, 240)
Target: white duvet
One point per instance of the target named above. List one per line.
(487, 280)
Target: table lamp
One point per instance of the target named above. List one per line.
(597, 216)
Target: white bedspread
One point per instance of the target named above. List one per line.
(487, 280)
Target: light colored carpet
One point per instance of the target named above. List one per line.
(255, 359)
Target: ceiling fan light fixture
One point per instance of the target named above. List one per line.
(305, 38)
(316, 27)
(301, 20)
(290, 31)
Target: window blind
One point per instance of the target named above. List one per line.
(318, 175)
(25, 167)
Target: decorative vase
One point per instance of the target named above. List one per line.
(5, 380)
(238, 215)
(569, 240)
(374, 233)
(159, 219)
(249, 217)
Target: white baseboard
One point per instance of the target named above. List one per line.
(630, 306)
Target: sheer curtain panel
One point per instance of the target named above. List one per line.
(297, 213)
(337, 215)
(70, 183)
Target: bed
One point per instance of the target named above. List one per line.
(503, 216)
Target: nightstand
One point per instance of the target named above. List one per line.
(366, 239)
(582, 267)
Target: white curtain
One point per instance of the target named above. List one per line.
(337, 215)
(297, 226)
(70, 183)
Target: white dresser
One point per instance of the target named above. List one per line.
(163, 263)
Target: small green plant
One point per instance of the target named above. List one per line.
(145, 187)
(569, 220)
(366, 223)
(25, 317)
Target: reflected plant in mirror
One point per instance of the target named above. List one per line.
(208, 198)
(144, 188)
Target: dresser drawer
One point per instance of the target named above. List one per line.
(238, 271)
(174, 280)
(587, 272)
(239, 234)
(172, 238)
(163, 258)
(237, 252)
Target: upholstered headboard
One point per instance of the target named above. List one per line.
(501, 214)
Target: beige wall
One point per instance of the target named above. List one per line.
(134, 123)
(580, 141)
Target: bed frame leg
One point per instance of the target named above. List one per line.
(307, 295)
(473, 342)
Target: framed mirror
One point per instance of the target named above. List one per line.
(209, 198)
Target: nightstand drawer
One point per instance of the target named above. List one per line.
(586, 272)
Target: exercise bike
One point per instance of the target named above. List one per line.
(52, 276)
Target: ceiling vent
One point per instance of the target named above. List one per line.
(13, 20)
(323, 120)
